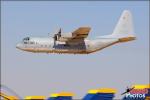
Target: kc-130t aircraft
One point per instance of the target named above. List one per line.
(76, 43)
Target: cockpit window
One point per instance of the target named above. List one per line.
(25, 42)
(26, 39)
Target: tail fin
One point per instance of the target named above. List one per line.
(124, 28)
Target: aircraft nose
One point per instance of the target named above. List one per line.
(18, 46)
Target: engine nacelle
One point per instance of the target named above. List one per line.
(66, 35)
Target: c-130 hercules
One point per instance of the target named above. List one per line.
(76, 42)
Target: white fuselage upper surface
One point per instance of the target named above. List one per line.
(48, 45)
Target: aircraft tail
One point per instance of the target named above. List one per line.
(124, 28)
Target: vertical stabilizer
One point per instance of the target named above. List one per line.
(124, 25)
(124, 28)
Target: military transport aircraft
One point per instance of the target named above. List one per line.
(76, 43)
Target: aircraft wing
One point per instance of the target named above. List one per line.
(124, 93)
(76, 36)
(81, 32)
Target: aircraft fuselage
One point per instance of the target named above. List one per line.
(48, 45)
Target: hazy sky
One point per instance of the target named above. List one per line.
(117, 66)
